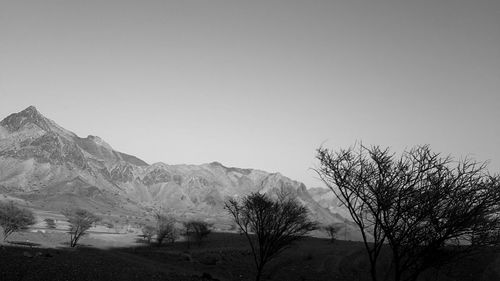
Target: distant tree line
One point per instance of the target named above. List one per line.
(165, 228)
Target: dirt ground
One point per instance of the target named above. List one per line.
(223, 256)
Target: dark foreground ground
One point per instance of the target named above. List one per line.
(222, 256)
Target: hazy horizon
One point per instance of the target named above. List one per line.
(258, 84)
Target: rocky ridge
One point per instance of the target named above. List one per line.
(51, 166)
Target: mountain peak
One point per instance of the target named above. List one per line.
(215, 163)
(16, 121)
(31, 112)
(31, 109)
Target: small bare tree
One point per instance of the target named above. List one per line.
(80, 220)
(197, 230)
(332, 231)
(165, 228)
(417, 203)
(13, 218)
(270, 226)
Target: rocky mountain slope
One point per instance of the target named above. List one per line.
(52, 167)
(326, 199)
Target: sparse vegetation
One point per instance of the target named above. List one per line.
(80, 220)
(270, 226)
(419, 204)
(51, 224)
(13, 218)
(332, 230)
(196, 230)
(165, 228)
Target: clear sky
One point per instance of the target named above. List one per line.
(258, 84)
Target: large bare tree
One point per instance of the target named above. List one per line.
(270, 225)
(418, 203)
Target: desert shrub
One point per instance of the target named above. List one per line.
(196, 230)
(165, 228)
(13, 218)
(80, 220)
(50, 223)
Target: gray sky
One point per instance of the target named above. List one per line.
(258, 84)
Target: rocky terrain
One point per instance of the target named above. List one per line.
(52, 168)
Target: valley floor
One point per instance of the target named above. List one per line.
(223, 256)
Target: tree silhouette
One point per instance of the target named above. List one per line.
(332, 230)
(418, 203)
(270, 226)
(196, 230)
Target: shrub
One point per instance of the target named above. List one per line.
(197, 230)
(165, 228)
(50, 223)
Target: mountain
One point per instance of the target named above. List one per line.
(53, 168)
(327, 199)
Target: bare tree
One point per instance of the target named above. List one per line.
(165, 228)
(270, 226)
(80, 220)
(332, 230)
(418, 203)
(13, 218)
(196, 230)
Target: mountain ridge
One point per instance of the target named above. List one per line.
(39, 158)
